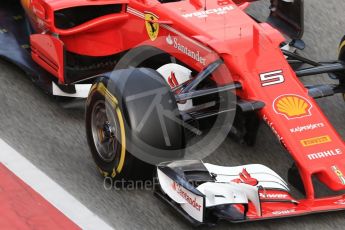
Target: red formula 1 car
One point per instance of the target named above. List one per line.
(160, 75)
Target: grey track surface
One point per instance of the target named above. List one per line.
(53, 138)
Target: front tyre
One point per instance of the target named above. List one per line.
(341, 57)
(106, 136)
(132, 124)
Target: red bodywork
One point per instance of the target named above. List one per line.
(250, 51)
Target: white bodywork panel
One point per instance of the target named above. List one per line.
(82, 91)
(166, 185)
(182, 74)
(230, 193)
(224, 190)
(266, 177)
(190, 202)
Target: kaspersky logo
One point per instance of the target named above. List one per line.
(292, 106)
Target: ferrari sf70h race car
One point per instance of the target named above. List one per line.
(161, 76)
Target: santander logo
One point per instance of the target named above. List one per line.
(169, 40)
(273, 195)
(192, 201)
(194, 54)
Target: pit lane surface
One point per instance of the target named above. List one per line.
(52, 137)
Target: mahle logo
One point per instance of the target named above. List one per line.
(325, 154)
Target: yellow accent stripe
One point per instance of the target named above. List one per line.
(100, 87)
(123, 141)
(341, 46)
(18, 17)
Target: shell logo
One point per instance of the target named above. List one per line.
(292, 106)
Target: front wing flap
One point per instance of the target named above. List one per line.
(194, 191)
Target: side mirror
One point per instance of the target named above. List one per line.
(298, 44)
(288, 17)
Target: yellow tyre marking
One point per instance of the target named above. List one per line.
(123, 140)
(25, 46)
(18, 17)
(113, 174)
(100, 87)
(104, 173)
(341, 46)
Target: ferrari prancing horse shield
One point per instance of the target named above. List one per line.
(152, 27)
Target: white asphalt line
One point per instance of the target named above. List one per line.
(49, 189)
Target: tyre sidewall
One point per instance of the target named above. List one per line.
(113, 168)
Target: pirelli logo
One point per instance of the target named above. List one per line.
(316, 141)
